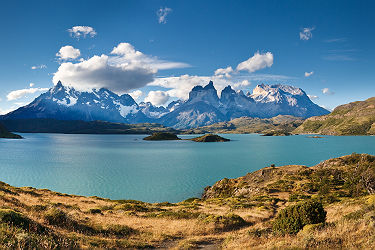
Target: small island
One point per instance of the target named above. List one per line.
(161, 136)
(4, 133)
(164, 136)
(276, 133)
(210, 138)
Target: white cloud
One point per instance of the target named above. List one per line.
(42, 66)
(98, 72)
(31, 84)
(162, 14)
(17, 94)
(6, 111)
(306, 33)
(125, 53)
(338, 57)
(68, 52)
(256, 62)
(327, 91)
(239, 85)
(313, 97)
(335, 40)
(180, 86)
(157, 97)
(224, 72)
(136, 94)
(124, 70)
(82, 31)
(307, 74)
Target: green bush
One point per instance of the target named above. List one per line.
(95, 211)
(118, 230)
(14, 218)
(56, 216)
(223, 222)
(293, 218)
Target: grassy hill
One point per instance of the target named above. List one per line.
(248, 125)
(356, 118)
(4, 133)
(246, 212)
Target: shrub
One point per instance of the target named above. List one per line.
(223, 222)
(133, 207)
(95, 211)
(118, 230)
(56, 216)
(179, 214)
(14, 218)
(293, 218)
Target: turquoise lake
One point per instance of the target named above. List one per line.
(126, 167)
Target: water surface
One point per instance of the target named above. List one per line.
(126, 167)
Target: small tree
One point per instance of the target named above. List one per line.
(293, 218)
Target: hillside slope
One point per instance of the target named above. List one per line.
(82, 127)
(248, 125)
(234, 213)
(4, 133)
(356, 118)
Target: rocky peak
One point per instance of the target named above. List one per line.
(207, 94)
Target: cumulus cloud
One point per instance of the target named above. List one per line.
(98, 72)
(307, 74)
(136, 94)
(125, 53)
(68, 52)
(327, 91)
(241, 84)
(157, 97)
(82, 31)
(162, 14)
(224, 72)
(313, 97)
(125, 69)
(256, 62)
(42, 66)
(17, 94)
(180, 86)
(306, 33)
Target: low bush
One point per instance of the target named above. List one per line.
(118, 230)
(223, 222)
(95, 211)
(293, 218)
(14, 218)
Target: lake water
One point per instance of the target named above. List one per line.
(126, 167)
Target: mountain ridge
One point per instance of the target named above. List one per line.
(202, 108)
(355, 118)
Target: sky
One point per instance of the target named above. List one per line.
(158, 50)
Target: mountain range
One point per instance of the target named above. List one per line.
(203, 107)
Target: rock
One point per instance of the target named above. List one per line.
(210, 138)
(160, 136)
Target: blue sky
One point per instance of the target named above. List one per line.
(333, 39)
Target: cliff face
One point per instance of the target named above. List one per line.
(356, 118)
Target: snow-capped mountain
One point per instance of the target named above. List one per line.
(152, 111)
(66, 103)
(203, 107)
